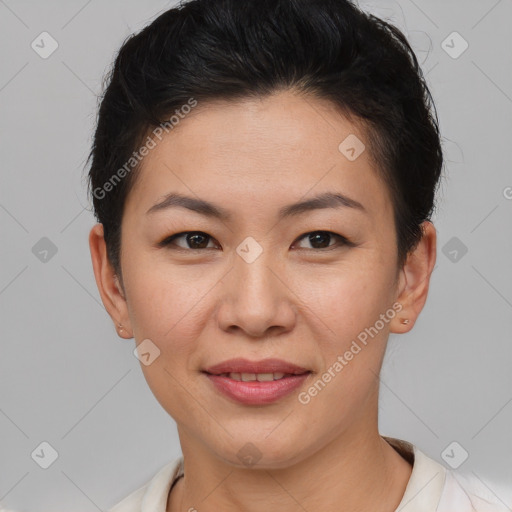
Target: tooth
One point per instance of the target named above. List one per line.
(234, 376)
(262, 377)
(278, 375)
(246, 377)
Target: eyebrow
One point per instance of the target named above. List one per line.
(325, 200)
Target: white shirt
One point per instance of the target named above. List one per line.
(431, 488)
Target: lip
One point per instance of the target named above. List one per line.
(256, 392)
(241, 365)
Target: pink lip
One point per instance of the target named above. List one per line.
(240, 365)
(255, 392)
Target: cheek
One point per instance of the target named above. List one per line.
(166, 301)
(170, 311)
(348, 297)
(346, 308)
(170, 306)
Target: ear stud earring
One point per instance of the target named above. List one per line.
(405, 321)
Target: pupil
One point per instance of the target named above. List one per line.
(192, 238)
(319, 236)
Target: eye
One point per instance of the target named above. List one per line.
(194, 240)
(322, 239)
(198, 240)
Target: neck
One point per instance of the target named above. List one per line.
(362, 472)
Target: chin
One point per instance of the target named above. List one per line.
(262, 452)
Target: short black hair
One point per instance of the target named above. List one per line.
(205, 50)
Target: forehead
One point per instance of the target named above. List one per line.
(266, 151)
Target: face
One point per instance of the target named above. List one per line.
(262, 281)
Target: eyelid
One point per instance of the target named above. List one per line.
(342, 241)
(167, 241)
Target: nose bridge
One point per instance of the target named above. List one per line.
(257, 274)
(255, 298)
(254, 277)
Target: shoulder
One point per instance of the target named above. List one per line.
(153, 495)
(432, 486)
(132, 503)
(475, 495)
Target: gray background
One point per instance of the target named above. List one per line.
(65, 376)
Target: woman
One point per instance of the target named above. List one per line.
(264, 174)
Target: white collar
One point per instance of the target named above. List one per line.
(426, 483)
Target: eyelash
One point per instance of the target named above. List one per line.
(342, 241)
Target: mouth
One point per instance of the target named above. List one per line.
(253, 377)
(263, 368)
(261, 387)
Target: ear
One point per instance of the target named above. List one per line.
(111, 290)
(414, 280)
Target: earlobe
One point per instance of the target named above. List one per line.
(107, 282)
(415, 280)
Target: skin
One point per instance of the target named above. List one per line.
(296, 301)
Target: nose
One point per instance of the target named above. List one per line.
(256, 299)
